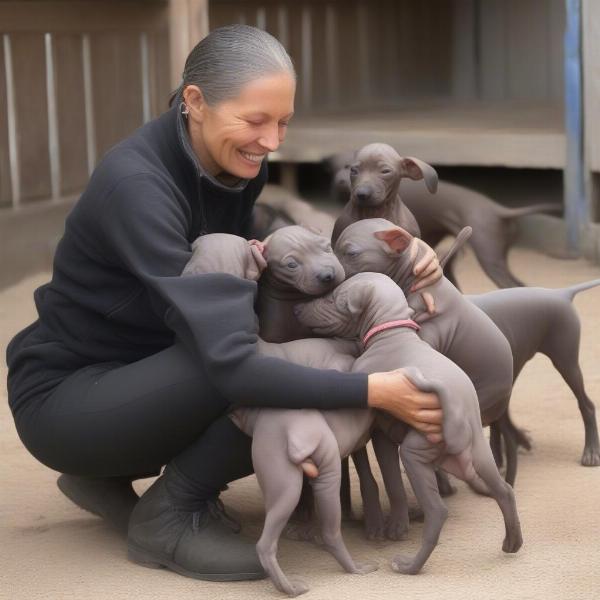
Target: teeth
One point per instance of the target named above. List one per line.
(253, 157)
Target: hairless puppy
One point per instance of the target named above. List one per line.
(286, 443)
(373, 307)
(374, 180)
(544, 320)
(452, 208)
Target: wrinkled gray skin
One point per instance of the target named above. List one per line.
(282, 440)
(458, 329)
(544, 320)
(300, 265)
(370, 299)
(374, 183)
(451, 209)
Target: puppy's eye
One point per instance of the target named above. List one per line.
(352, 252)
(386, 171)
(353, 171)
(291, 264)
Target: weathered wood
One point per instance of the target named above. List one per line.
(64, 16)
(188, 24)
(5, 182)
(71, 111)
(591, 62)
(28, 53)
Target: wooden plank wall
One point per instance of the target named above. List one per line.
(116, 35)
(390, 52)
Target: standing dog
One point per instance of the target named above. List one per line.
(288, 443)
(372, 307)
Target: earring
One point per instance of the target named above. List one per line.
(185, 111)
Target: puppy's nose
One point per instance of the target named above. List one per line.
(362, 193)
(325, 276)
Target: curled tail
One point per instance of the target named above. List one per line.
(507, 212)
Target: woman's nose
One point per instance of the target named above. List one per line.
(270, 139)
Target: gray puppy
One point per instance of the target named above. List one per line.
(374, 179)
(288, 443)
(371, 306)
(452, 208)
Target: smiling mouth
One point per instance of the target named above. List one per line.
(255, 158)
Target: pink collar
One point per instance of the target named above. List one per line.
(390, 325)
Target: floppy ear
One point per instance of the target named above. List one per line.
(416, 169)
(357, 296)
(256, 262)
(397, 238)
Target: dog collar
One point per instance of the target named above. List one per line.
(390, 325)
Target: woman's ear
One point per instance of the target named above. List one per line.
(416, 169)
(194, 102)
(397, 238)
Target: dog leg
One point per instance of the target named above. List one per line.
(326, 489)
(418, 457)
(373, 514)
(386, 451)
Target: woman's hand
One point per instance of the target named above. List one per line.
(396, 394)
(427, 271)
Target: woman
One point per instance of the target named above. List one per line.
(129, 366)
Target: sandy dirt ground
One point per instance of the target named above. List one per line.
(51, 549)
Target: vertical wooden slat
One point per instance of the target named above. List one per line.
(53, 137)
(332, 55)
(28, 53)
(527, 60)
(88, 95)
(145, 74)
(464, 73)
(362, 27)
(555, 51)
(8, 154)
(306, 63)
(70, 111)
(283, 26)
(261, 17)
(492, 45)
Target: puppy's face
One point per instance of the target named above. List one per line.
(361, 249)
(374, 175)
(301, 260)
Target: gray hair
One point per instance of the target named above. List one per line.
(230, 57)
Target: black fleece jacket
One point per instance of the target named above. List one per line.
(116, 295)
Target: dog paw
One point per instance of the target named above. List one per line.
(590, 457)
(364, 567)
(512, 542)
(396, 528)
(295, 587)
(375, 527)
(405, 565)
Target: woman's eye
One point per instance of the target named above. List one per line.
(283, 124)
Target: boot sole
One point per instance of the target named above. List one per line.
(145, 559)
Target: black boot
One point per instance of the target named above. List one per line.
(112, 498)
(170, 528)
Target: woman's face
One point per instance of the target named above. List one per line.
(235, 136)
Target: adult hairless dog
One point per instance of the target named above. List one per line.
(287, 442)
(372, 307)
(452, 208)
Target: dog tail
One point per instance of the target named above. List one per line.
(507, 212)
(572, 291)
(463, 235)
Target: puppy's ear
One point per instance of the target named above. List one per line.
(397, 238)
(416, 169)
(256, 262)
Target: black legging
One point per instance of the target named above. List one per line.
(111, 420)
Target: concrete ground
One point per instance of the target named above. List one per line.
(51, 549)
